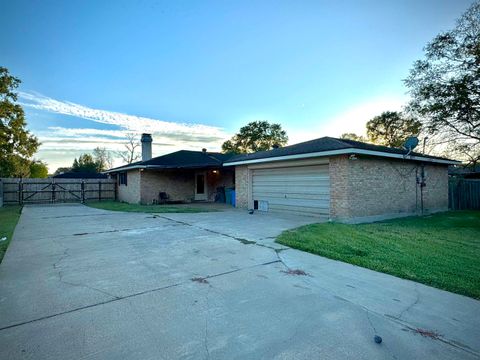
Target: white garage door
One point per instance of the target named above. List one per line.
(303, 189)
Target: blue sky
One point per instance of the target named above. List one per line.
(193, 72)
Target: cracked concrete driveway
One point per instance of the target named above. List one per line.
(80, 283)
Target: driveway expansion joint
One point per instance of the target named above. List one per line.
(415, 302)
(74, 216)
(205, 340)
(120, 230)
(242, 240)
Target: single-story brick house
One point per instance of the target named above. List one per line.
(343, 180)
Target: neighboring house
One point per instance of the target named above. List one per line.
(80, 175)
(343, 180)
(465, 172)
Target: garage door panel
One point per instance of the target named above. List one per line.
(304, 189)
(284, 180)
(273, 196)
(300, 210)
(297, 176)
(290, 192)
(319, 169)
(310, 203)
(286, 189)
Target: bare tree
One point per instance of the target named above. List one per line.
(130, 154)
(103, 158)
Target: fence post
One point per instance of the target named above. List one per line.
(53, 191)
(459, 195)
(82, 189)
(1, 193)
(99, 190)
(20, 192)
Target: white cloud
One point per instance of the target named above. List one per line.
(76, 132)
(129, 123)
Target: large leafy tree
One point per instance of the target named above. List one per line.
(353, 136)
(445, 86)
(17, 145)
(38, 169)
(101, 160)
(392, 128)
(85, 163)
(256, 136)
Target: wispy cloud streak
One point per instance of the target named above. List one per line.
(126, 122)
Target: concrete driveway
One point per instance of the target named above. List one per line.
(81, 283)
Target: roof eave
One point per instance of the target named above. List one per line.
(342, 152)
(123, 169)
(134, 167)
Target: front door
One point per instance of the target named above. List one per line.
(200, 186)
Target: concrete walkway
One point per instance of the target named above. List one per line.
(79, 282)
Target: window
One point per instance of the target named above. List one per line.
(122, 178)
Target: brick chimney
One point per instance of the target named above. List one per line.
(146, 147)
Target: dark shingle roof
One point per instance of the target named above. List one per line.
(197, 159)
(118, 168)
(188, 159)
(320, 145)
(182, 159)
(80, 175)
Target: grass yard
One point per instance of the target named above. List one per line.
(9, 216)
(120, 206)
(441, 250)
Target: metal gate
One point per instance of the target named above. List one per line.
(28, 191)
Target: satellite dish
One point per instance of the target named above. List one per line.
(411, 143)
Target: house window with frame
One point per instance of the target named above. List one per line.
(122, 178)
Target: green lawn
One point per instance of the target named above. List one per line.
(9, 216)
(441, 250)
(120, 206)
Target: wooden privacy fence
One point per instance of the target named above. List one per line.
(464, 194)
(28, 191)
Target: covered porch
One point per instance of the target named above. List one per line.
(185, 185)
